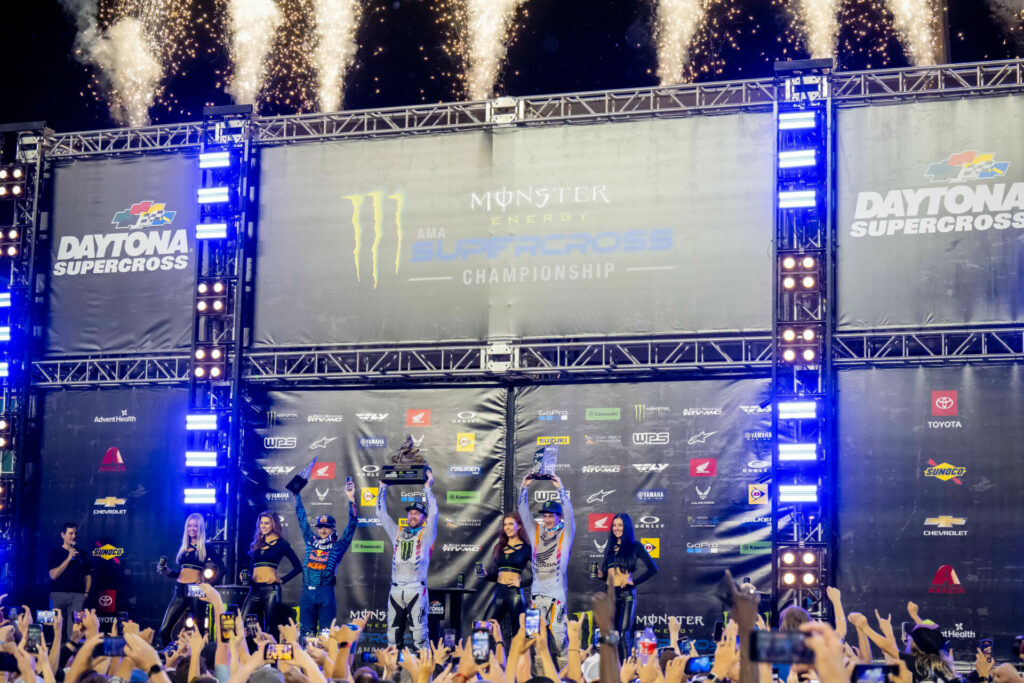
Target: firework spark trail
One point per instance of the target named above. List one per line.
(915, 22)
(124, 54)
(677, 23)
(252, 24)
(336, 24)
(1010, 13)
(489, 24)
(819, 21)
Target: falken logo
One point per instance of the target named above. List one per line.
(368, 521)
(377, 211)
(945, 472)
(371, 417)
(126, 252)
(460, 548)
(650, 438)
(278, 469)
(277, 443)
(967, 165)
(464, 471)
(647, 468)
(144, 215)
(373, 442)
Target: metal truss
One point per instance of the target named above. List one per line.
(848, 88)
(935, 346)
(170, 368)
(510, 360)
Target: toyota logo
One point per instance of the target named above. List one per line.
(106, 601)
(944, 402)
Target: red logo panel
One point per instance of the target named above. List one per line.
(323, 470)
(600, 521)
(703, 467)
(944, 403)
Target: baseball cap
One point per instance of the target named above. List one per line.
(326, 520)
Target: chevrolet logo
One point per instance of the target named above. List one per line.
(110, 502)
(945, 521)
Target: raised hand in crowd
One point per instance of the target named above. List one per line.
(836, 598)
(828, 651)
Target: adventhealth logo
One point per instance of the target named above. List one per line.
(610, 414)
(377, 206)
(463, 497)
(367, 546)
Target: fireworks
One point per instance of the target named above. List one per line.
(336, 24)
(820, 23)
(135, 45)
(1010, 13)
(251, 27)
(915, 21)
(690, 35)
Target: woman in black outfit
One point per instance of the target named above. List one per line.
(511, 556)
(193, 556)
(267, 550)
(621, 556)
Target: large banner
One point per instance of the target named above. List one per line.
(121, 267)
(111, 461)
(625, 228)
(931, 213)
(929, 498)
(461, 434)
(689, 462)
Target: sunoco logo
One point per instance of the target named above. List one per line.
(108, 552)
(945, 472)
(126, 252)
(377, 210)
(954, 207)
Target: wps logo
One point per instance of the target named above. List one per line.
(377, 207)
(946, 581)
(652, 546)
(277, 443)
(600, 521)
(143, 215)
(967, 165)
(944, 403)
(650, 438)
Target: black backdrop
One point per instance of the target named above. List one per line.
(899, 526)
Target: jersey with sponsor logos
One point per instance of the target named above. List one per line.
(412, 547)
(551, 549)
(323, 554)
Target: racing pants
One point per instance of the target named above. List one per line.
(407, 606)
(625, 615)
(318, 607)
(554, 613)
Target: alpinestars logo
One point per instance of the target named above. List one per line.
(126, 252)
(377, 209)
(599, 496)
(946, 581)
(702, 437)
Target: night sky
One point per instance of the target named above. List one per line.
(560, 46)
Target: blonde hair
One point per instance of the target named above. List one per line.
(200, 538)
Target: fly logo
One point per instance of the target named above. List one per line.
(377, 208)
(648, 468)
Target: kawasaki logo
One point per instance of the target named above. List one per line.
(611, 414)
(463, 497)
(377, 205)
(367, 546)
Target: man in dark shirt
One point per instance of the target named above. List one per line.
(70, 576)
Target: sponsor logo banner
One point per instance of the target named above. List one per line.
(757, 494)
(600, 521)
(945, 472)
(648, 467)
(756, 548)
(278, 470)
(552, 440)
(367, 546)
(602, 439)
(112, 461)
(650, 496)
(601, 469)
(323, 471)
(597, 414)
(702, 547)
(599, 496)
(464, 471)
(277, 443)
(106, 419)
(368, 496)
(642, 413)
(653, 547)
(463, 497)
(465, 442)
(373, 442)
(110, 505)
(460, 548)
(944, 403)
(322, 442)
(321, 417)
(703, 467)
(945, 526)
(371, 417)
(417, 418)
(700, 437)
(107, 552)
(946, 581)
(650, 438)
(552, 415)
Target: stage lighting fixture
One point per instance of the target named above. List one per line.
(12, 250)
(6, 432)
(788, 557)
(808, 334)
(190, 623)
(201, 306)
(4, 369)
(808, 558)
(5, 333)
(12, 182)
(807, 282)
(789, 452)
(211, 231)
(216, 354)
(788, 578)
(809, 355)
(200, 458)
(218, 287)
(798, 493)
(798, 159)
(5, 299)
(203, 288)
(201, 422)
(200, 371)
(797, 199)
(788, 263)
(200, 354)
(789, 334)
(798, 410)
(213, 195)
(12, 234)
(809, 579)
(215, 372)
(789, 355)
(797, 120)
(203, 496)
(215, 160)
(212, 297)
(788, 283)
(807, 262)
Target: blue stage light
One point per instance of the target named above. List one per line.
(798, 493)
(200, 496)
(213, 195)
(5, 299)
(5, 333)
(201, 422)
(200, 458)
(211, 231)
(797, 199)
(798, 451)
(4, 369)
(798, 159)
(797, 120)
(798, 410)
(215, 160)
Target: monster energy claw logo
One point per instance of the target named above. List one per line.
(405, 549)
(377, 198)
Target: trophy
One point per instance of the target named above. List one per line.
(544, 463)
(300, 480)
(409, 466)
